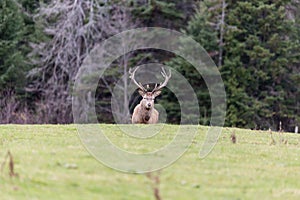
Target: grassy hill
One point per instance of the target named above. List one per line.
(50, 162)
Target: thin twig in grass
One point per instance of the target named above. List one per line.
(155, 179)
(233, 137)
(9, 157)
(282, 139)
(273, 142)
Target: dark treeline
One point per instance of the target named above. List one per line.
(255, 44)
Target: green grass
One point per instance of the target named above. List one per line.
(52, 163)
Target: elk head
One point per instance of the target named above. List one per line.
(144, 112)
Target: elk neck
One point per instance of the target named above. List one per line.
(146, 113)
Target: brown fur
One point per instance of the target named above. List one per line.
(144, 114)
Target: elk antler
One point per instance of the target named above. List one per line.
(166, 76)
(132, 74)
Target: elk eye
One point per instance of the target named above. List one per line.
(148, 98)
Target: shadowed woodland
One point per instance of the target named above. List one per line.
(255, 44)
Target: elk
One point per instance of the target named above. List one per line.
(144, 112)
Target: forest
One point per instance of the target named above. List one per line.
(254, 43)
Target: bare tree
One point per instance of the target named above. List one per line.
(121, 110)
(221, 28)
(8, 106)
(12, 110)
(218, 7)
(74, 27)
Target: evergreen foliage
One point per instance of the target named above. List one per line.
(258, 61)
(172, 14)
(12, 29)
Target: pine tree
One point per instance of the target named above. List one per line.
(200, 28)
(171, 14)
(293, 11)
(259, 60)
(257, 66)
(12, 64)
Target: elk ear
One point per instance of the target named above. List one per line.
(141, 92)
(156, 93)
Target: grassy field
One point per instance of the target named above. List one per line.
(51, 163)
